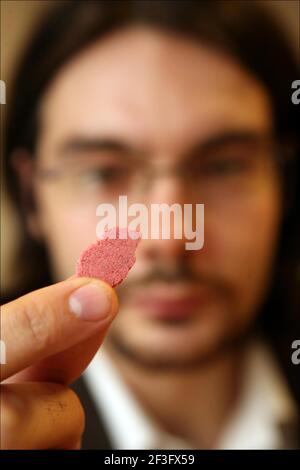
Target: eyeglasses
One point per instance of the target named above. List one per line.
(231, 171)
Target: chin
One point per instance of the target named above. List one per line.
(163, 344)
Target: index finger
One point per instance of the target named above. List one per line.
(54, 319)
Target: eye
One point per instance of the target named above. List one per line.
(104, 175)
(222, 167)
(226, 166)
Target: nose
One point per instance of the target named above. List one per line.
(167, 188)
(170, 193)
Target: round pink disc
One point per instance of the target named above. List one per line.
(110, 258)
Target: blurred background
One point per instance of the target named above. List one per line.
(18, 18)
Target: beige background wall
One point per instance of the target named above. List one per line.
(17, 20)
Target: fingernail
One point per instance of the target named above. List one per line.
(91, 302)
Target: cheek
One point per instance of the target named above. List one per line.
(67, 231)
(241, 243)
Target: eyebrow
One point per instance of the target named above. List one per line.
(79, 144)
(231, 137)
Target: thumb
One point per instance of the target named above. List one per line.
(54, 319)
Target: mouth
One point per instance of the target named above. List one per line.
(172, 303)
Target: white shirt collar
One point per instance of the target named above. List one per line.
(264, 405)
(128, 425)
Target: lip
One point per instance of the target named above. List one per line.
(170, 306)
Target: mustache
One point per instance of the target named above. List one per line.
(175, 274)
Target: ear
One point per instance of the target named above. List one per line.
(23, 165)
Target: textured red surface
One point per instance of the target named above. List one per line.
(109, 259)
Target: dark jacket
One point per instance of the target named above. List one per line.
(95, 435)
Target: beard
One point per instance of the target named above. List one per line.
(232, 341)
(233, 344)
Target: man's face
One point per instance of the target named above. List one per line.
(163, 98)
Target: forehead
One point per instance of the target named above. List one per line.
(151, 85)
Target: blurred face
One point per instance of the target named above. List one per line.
(142, 99)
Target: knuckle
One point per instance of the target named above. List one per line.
(39, 323)
(24, 406)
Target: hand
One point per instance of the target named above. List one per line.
(50, 336)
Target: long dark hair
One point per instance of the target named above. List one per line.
(242, 29)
